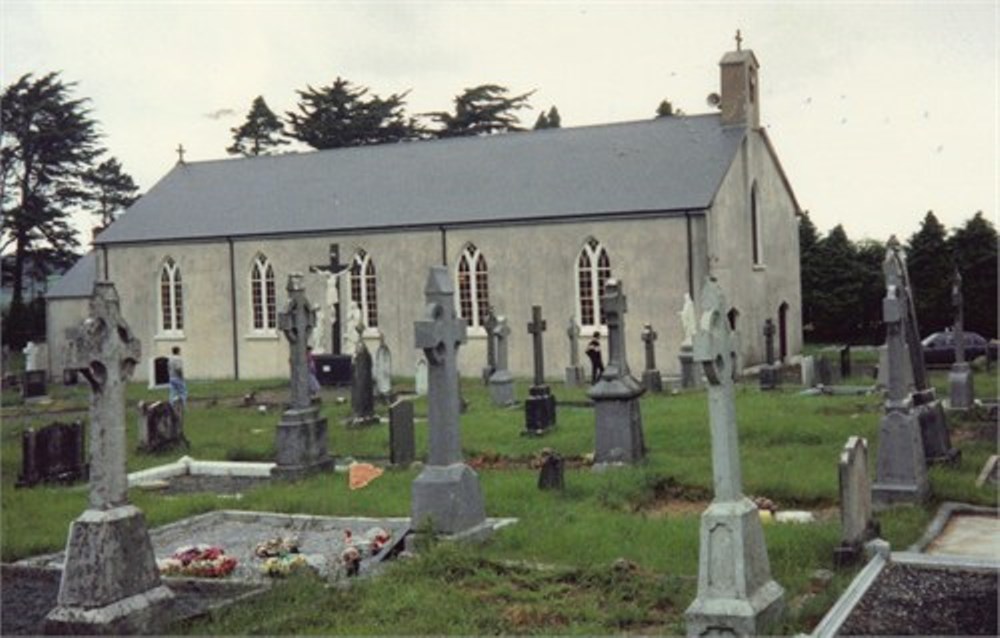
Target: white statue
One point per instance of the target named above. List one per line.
(352, 334)
(688, 320)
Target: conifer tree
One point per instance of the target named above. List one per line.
(542, 122)
(808, 238)
(837, 287)
(555, 120)
(665, 109)
(929, 264)
(974, 250)
(260, 134)
(481, 110)
(112, 190)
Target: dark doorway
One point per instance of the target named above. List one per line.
(783, 330)
(161, 371)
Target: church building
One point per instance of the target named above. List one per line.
(520, 219)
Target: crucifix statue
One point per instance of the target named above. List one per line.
(297, 322)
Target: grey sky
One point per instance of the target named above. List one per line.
(878, 111)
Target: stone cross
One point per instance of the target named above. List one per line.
(297, 322)
(956, 304)
(536, 328)
(502, 333)
(715, 350)
(106, 352)
(769, 340)
(573, 332)
(614, 304)
(491, 354)
(440, 335)
(649, 338)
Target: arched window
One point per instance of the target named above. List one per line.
(755, 226)
(171, 298)
(363, 287)
(263, 299)
(473, 286)
(593, 269)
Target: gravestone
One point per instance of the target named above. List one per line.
(901, 469)
(54, 453)
(161, 427)
(489, 324)
(736, 593)
(402, 446)
(420, 377)
(882, 378)
(502, 381)
(446, 495)
(651, 379)
(930, 412)
(689, 373)
(383, 368)
(808, 370)
(618, 419)
(826, 372)
(110, 582)
(32, 356)
(550, 476)
(159, 372)
(856, 521)
(574, 372)
(333, 369)
(33, 385)
(845, 361)
(961, 392)
(301, 436)
(540, 407)
(362, 384)
(770, 375)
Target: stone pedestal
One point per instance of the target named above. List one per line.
(539, 410)
(960, 387)
(882, 379)
(575, 376)
(652, 381)
(447, 498)
(110, 583)
(689, 372)
(502, 389)
(770, 377)
(736, 594)
(933, 428)
(901, 470)
(301, 444)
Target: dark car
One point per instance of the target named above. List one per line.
(939, 348)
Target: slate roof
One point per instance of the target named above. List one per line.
(664, 164)
(78, 281)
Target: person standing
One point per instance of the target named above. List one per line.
(178, 386)
(594, 354)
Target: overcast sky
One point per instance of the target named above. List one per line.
(878, 111)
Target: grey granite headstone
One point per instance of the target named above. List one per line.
(420, 377)
(770, 376)
(856, 521)
(690, 374)
(161, 427)
(651, 379)
(383, 368)
(501, 381)
(618, 419)
(808, 370)
(301, 436)
(901, 469)
(574, 371)
(110, 582)
(540, 407)
(446, 495)
(882, 378)
(56, 452)
(961, 391)
(402, 447)
(736, 594)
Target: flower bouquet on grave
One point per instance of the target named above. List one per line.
(205, 561)
(281, 556)
(278, 546)
(370, 544)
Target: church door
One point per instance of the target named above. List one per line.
(783, 330)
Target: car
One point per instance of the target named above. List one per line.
(939, 347)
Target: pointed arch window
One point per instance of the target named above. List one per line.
(363, 289)
(171, 298)
(593, 269)
(263, 299)
(473, 286)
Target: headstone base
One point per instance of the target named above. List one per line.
(901, 470)
(618, 437)
(301, 444)
(539, 410)
(574, 376)
(652, 381)
(110, 583)
(502, 389)
(960, 386)
(689, 371)
(447, 498)
(770, 377)
(934, 429)
(742, 601)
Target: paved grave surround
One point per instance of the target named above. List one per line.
(736, 593)
(502, 381)
(110, 583)
(856, 521)
(540, 406)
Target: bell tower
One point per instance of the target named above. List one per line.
(739, 91)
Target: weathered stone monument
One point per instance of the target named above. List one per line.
(550, 475)
(618, 420)
(901, 469)
(651, 379)
(446, 495)
(689, 374)
(383, 369)
(362, 384)
(110, 583)
(574, 372)
(930, 412)
(55, 452)
(770, 375)
(402, 447)
(32, 356)
(489, 325)
(540, 407)
(420, 377)
(301, 439)
(960, 386)
(736, 594)
(856, 521)
(502, 381)
(160, 427)
(808, 371)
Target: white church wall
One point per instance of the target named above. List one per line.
(62, 314)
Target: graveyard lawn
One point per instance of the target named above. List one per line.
(613, 552)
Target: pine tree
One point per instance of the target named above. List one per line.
(838, 287)
(112, 190)
(929, 265)
(665, 109)
(542, 122)
(808, 238)
(974, 250)
(870, 256)
(260, 134)
(552, 120)
(555, 120)
(482, 110)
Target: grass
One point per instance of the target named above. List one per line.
(789, 445)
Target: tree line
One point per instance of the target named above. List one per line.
(843, 284)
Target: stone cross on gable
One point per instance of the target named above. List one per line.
(957, 305)
(714, 348)
(769, 340)
(104, 349)
(297, 322)
(536, 328)
(614, 305)
(649, 337)
(440, 335)
(573, 332)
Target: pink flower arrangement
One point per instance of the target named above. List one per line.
(205, 561)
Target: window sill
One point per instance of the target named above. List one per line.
(261, 335)
(475, 332)
(169, 336)
(759, 268)
(587, 332)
